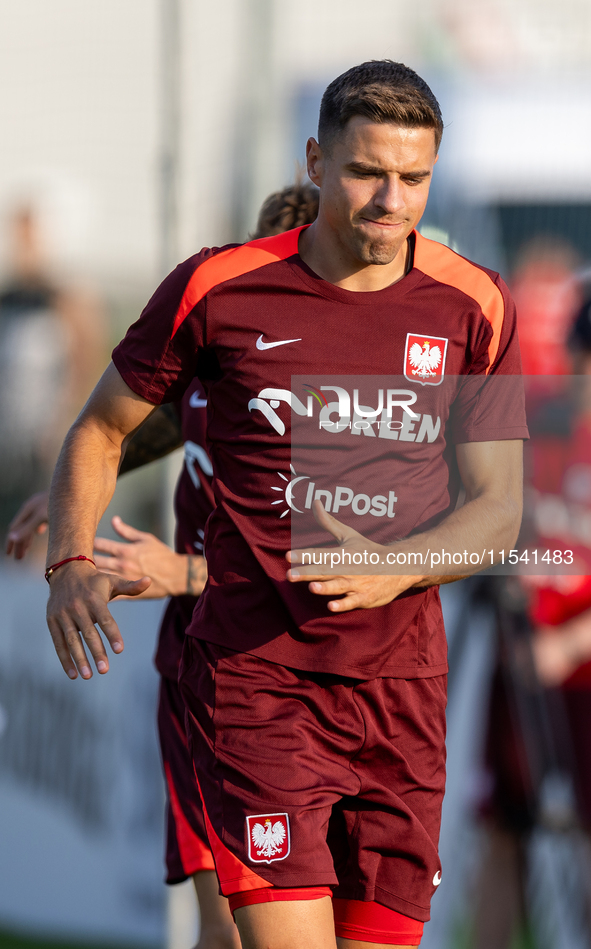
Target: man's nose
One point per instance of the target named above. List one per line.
(390, 197)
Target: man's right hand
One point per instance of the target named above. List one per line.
(83, 484)
(77, 601)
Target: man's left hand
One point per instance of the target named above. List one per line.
(142, 555)
(358, 590)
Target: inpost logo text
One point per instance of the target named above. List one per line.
(338, 500)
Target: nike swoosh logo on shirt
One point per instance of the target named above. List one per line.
(196, 402)
(281, 342)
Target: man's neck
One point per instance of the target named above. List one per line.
(319, 249)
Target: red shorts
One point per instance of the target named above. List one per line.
(187, 847)
(311, 779)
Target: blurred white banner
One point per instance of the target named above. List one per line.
(81, 794)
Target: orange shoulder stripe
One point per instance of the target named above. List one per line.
(233, 263)
(438, 261)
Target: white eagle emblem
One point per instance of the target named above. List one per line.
(424, 360)
(268, 839)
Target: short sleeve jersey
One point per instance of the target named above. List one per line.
(246, 319)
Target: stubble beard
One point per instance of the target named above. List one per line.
(378, 252)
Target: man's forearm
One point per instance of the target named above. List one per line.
(483, 524)
(492, 473)
(82, 486)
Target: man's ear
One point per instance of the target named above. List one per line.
(314, 161)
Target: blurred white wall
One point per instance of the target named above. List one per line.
(80, 110)
(79, 126)
(530, 144)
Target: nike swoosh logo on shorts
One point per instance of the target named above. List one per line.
(196, 402)
(281, 342)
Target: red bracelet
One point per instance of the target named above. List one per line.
(51, 570)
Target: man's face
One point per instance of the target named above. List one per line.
(374, 183)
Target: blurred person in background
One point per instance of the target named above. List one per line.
(293, 207)
(179, 574)
(557, 516)
(547, 296)
(52, 351)
(560, 606)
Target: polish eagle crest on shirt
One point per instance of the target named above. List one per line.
(268, 837)
(424, 359)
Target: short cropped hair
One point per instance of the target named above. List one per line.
(293, 207)
(382, 91)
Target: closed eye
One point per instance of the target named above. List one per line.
(364, 171)
(414, 179)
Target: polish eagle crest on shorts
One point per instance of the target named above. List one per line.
(424, 359)
(268, 837)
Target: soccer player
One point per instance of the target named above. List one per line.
(316, 707)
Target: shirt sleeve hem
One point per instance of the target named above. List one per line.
(493, 435)
(136, 385)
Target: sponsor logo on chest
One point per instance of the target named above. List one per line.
(380, 505)
(352, 417)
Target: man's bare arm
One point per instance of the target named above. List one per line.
(82, 486)
(492, 473)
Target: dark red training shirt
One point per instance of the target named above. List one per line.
(193, 503)
(217, 316)
(193, 499)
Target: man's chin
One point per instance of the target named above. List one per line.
(379, 249)
(378, 256)
(379, 252)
